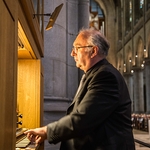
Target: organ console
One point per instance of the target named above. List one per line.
(29, 113)
(21, 140)
(22, 143)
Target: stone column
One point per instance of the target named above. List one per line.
(83, 14)
(72, 30)
(147, 85)
(131, 91)
(129, 81)
(54, 60)
(55, 67)
(138, 90)
(77, 17)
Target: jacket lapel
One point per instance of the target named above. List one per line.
(88, 75)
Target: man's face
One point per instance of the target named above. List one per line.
(81, 56)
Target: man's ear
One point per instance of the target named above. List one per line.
(94, 51)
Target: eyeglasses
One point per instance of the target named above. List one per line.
(75, 49)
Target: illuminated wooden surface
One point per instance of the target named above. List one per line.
(29, 100)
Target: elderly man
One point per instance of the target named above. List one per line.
(99, 117)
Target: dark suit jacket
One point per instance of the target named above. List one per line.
(99, 117)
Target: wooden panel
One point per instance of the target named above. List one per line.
(8, 74)
(28, 102)
(24, 54)
(42, 95)
(11, 6)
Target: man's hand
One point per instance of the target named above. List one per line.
(37, 135)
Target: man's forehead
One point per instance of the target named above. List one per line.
(79, 40)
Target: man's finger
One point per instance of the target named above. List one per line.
(38, 140)
(28, 131)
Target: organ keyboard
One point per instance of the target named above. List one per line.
(22, 143)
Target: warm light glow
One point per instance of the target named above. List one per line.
(144, 51)
(136, 55)
(142, 65)
(25, 50)
(124, 68)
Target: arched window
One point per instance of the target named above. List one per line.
(141, 4)
(96, 17)
(138, 9)
(128, 15)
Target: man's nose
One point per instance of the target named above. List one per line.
(72, 53)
